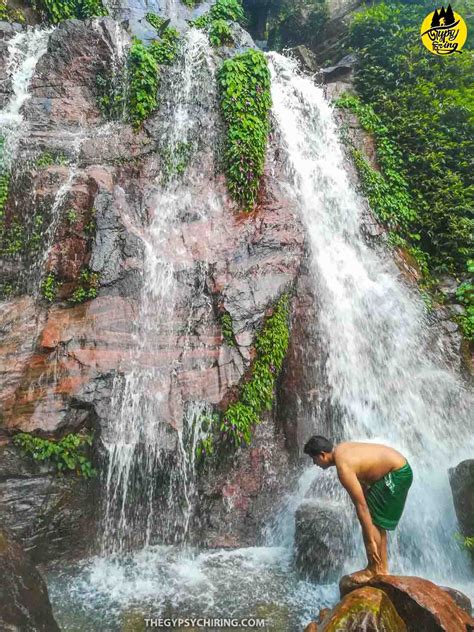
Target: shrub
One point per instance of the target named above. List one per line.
(244, 84)
(256, 394)
(144, 81)
(69, 453)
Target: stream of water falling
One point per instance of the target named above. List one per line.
(387, 383)
(384, 383)
(24, 51)
(139, 438)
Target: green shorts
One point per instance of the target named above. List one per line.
(386, 497)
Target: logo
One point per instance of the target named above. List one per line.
(443, 32)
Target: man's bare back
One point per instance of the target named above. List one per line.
(377, 478)
(369, 461)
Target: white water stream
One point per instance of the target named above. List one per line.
(139, 438)
(387, 382)
(24, 51)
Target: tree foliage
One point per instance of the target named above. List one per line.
(426, 104)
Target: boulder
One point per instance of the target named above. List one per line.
(460, 598)
(367, 609)
(422, 604)
(320, 548)
(24, 601)
(461, 479)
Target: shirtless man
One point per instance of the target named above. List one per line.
(377, 479)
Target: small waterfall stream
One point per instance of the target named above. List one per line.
(24, 51)
(138, 440)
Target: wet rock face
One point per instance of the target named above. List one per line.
(59, 360)
(421, 604)
(53, 516)
(320, 543)
(461, 479)
(24, 601)
(367, 609)
(236, 502)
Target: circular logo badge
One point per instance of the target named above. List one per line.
(443, 32)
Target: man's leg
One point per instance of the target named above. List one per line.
(383, 570)
(375, 569)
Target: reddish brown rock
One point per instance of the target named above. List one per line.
(422, 604)
(367, 609)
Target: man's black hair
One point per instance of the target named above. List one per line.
(317, 444)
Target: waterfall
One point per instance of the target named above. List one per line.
(24, 51)
(387, 381)
(145, 454)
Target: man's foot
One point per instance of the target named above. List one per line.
(363, 576)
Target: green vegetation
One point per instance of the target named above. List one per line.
(49, 287)
(87, 287)
(141, 74)
(175, 160)
(222, 10)
(47, 158)
(293, 22)
(256, 395)
(10, 14)
(165, 50)
(58, 10)
(244, 84)
(227, 329)
(67, 454)
(191, 3)
(144, 80)
(425, 113)
(156, 21)
(465, 295)
(220, 33)
(71, 216)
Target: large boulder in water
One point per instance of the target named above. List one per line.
(421, 604)
(461, 479)
(366, 609)
(24, 601)
(320, 548)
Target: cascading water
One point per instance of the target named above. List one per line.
(139, 439)
(384, 385)
(386, 382)
(24, 51)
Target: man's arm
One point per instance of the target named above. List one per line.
(350, 481)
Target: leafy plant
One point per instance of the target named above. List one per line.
(191, 3)
(46, 159)
(426, 106)
(220, 33)
(67, 454)
(222, 10)
(465, 295)
(227, 329)
(144, 81)
(256, 394)
(9, 14)
(165, 50)
(175, 160)
(58, 10)
(87, 288)
(71, 216)
(49, 287)
(110, 94)
(244, 84)
(156, 21)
